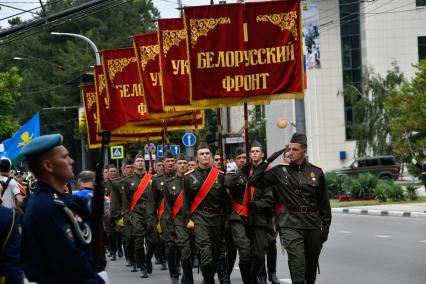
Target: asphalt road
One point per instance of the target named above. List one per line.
(361, 249)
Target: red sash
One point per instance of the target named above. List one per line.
(178, 204)
(141, 188)
(240, 209)
(161, 209)
(205, 188)
(279, 209)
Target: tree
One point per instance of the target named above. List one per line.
(371, 128)
(257, 126)
(408, 120)
(9, 86)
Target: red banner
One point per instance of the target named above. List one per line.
(111, 112)
(121, 73)
(147, 52)
(245, 51)
(174, 65)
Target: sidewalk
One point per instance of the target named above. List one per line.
(396, 210)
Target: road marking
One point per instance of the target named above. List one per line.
(422, 241)
(285, 280)
(345, 232)
(383, 236)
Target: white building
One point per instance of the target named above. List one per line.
(352, 34)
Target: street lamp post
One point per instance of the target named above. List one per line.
(32, 58)
(98, 62)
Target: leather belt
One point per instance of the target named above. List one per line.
(303, 209)
(210, 210)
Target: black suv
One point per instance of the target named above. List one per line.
(384, 167)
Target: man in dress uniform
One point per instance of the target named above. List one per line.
(110, 222)
(205, 202)
(301, 188)
(261, 203)
(238, 217)
(179, 238)
(135, 198)
(117, 209)
(56, 237)
(156, 213)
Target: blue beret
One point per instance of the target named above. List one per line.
(41, 144)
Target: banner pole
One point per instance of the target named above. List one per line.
(151, 162)
(246, 131)
(98, 208)
(219, 138)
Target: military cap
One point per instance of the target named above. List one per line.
(41, 144)
(239, 151)
(299, 138)
(180, 157)
(168, 155)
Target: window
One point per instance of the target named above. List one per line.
(421, 42)
(388, 161)
(420, 3)
(371, 162)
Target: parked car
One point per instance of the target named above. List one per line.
(384, 167)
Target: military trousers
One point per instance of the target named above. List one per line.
(240, 238)
(211, 244)
(303, 248)
(259, 241)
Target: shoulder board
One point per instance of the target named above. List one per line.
(316, 166)
(221, 172)
(188, 172)
(231, 173)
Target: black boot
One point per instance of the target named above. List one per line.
(144, 274)
(208, 274)
(174, 280)
(273, 278)
(113, 257)
(140, 260)
(163, 265)
(222, 271)
(262, 280)
(187, 277)
(256, 268)
(134, 268)
(245, 273)
(171, 261)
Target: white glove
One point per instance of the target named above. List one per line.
(104, 276)
(414, 161)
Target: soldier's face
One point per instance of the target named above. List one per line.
(112, 172)
(256, 154)
(204, 157)
(106, 175)
(59, 164)
(169, 164)
(240, 160)
(127, 170)
(181, 166)
(192, 165)
(297, 153)
(139, 164)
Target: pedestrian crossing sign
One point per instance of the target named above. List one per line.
(117, 152)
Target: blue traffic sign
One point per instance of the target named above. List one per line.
(160, 152)
(152, 145)
(117, 152)
(175, 149)
(189, 139)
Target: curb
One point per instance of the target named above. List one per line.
(375, 212)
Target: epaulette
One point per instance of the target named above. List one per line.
(316, 166)
(231, 173)
(222, 172)
(190, 171)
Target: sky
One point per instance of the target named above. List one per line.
(167, 8)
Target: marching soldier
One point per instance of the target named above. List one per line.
(205, 200)
(56, 236)
(179, 240)
(260, 204)
(305, 224)
(157, 215)
(117, 209)
(136, 192)
(238, 217)
(111, 177)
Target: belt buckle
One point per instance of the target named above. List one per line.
(304, 209)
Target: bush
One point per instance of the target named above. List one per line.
(365, 185)
(380, 191)
(351, 186)
(395, 192)
(411, 192)
(334, 184)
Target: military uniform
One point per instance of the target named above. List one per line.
(238, 221)
(117, 212)
(10, 244)
(306, 213)
(138, 219)
(155, 205)
(110, 224)
(54, 251)
(208, 219)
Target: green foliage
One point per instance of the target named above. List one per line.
(380, 192)
(411, 192)
(367, 182)
(351, 186)
(9, 86)
(257, 126)
(371, 120)
(395, 193)
(408, 121)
